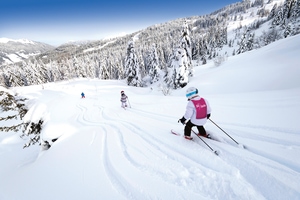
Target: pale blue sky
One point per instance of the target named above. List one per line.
(58, 21)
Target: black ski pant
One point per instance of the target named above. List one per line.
(188, 128)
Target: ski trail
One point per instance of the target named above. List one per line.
(116, 179)
(265, 142)
(260, 173)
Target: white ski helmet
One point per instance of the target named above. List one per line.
(191, 92)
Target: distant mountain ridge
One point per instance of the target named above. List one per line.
(12, 51)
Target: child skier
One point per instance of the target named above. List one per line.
(197, 111)
(123, 99)
(82, 95)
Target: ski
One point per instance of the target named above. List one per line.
(174, 132)
(178, 134)
(210, 138)
(214, 151)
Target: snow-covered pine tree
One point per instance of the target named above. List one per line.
(169, 77)
(195, 49)
(296, 10)
(186, 45)
(107, 68)
(257, 3)
(14, 107)
(285, 12)
(285, 17)
(142, 68)
(164, 53)
(272, 12)
(26, 74)
(247, 42)
(88, 61)
(222, 36)
(288, 30)
(250, 41)
(203, 50)
(270, 36)
(179, 64)
(11, 108)
(119, 67)
(288, 7)
(278, 17)
(14, 74)
(96, 65)
(101, 63)
(242, 43)
(180, 67)
(79, 67)
(132, 66)
(63, 71)
(153, 64)
(291, 27)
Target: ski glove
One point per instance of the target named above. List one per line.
(208, 116)
(182, 120)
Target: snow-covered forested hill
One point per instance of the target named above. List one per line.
(106, 152)
(232, 30)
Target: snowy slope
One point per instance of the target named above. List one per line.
(106, 152)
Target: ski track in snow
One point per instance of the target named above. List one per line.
(278, 139)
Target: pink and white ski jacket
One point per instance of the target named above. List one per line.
(198, 116)
(123, 98)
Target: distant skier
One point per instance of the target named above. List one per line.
(82, 95)
(197, 112)
(123, 99)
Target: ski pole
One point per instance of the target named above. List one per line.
(128, 102)
(223, 131)
(206, 143)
